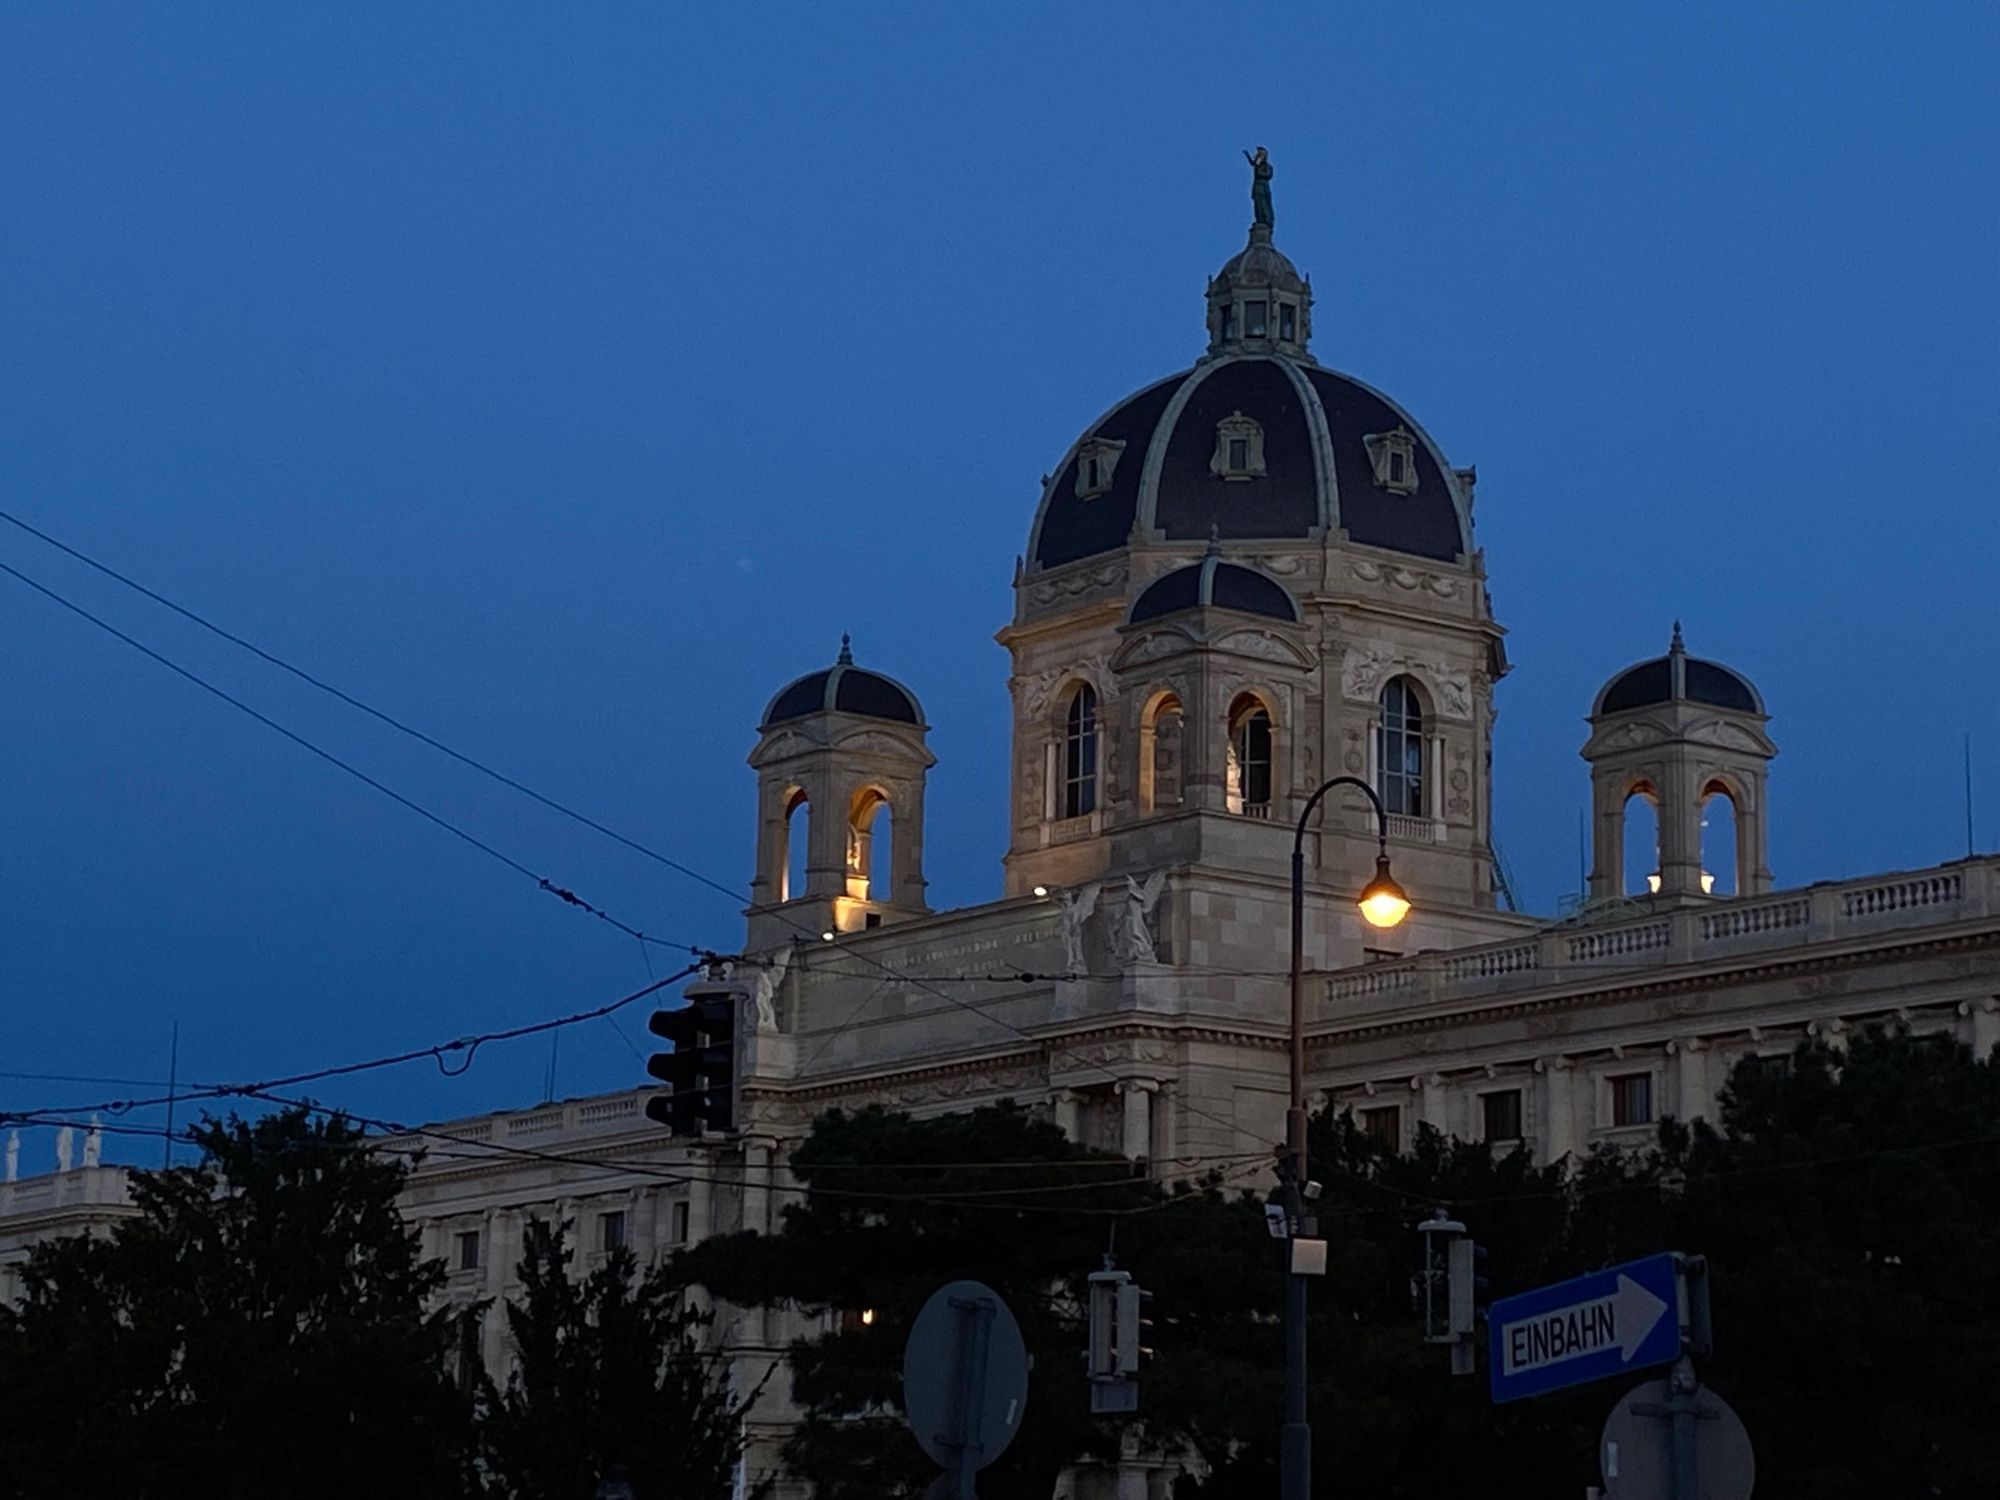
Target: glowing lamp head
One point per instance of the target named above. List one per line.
(1383, 902)
(1041, 893)
(827, 936)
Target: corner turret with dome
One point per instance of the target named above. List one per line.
(1682, 735)
(1247, 576)
(841, 760)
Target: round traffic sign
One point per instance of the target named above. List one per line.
(965, 1375)
(1637, 1449)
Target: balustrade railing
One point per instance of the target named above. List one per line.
(1688, 935)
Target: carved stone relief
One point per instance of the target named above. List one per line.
(1082, 582)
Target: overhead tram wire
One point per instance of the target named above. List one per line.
(468, 1046)
(888, 971)
(969, 1198)
(368, 708)
(562, 893)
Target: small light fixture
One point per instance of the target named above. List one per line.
(1383, 902)
(827, 936)
(1041, 893)
(867, 1317)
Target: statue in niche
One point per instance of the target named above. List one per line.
(1077, 905)
(765, 983)
(1135, 924)
(1260, 185)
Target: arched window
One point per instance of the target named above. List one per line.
(792, 856)
(1079, 759)
(1160, 746)
(1399, 749)
(871, 847)
(1641, 855)
(1248, 788)
(1720, 875)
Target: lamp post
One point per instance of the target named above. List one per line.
(1383, 904)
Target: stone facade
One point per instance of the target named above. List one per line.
(1129, 983)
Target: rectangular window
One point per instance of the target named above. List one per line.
(1239, 455)
(1395, 468)
(1229, 320)
(1772, 1065)
(611, 1231)
(1253, 320)
(678, 1219)
(1502, 1109)
(468, 1250)
(1632, 1099)
(1384, 1125)
(1287, 321)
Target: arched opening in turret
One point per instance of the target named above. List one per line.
(1720, 875)
(1161, 747)
(797, 837)
(1252, 754)
(871, 846)
(1640, 821)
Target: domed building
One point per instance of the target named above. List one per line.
(1341, 625)
(1244, 581)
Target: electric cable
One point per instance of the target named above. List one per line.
(466, 1047)
(561, 893)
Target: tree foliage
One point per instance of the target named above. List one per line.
(261, 1326)
(1848, 1205)
(615, 1374)
(895, 1207)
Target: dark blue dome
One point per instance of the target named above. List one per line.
(848, 689)
(1678, 677)
(1213, 582)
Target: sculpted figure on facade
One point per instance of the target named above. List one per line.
(1077, 905)
(765, 982)
(1135, 921)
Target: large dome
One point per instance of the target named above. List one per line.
(1320, 432)
(1255, 443)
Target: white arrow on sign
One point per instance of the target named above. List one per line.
(1621, 1320)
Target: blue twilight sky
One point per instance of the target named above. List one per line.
(566, 379)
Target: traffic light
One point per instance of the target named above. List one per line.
(1121, 1327)
(700, 1073)
(1135, 1327)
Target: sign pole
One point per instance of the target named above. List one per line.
(975, 1318)
(1685, 1408)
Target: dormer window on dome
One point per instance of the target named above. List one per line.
(1096, 461)
(1239, 448)
(1394, 455)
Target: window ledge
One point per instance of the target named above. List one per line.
(1069, 830)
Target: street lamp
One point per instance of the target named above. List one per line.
(1383, 904)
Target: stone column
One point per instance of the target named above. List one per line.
(701, 1201)
(1558, 1077)
(1066, 1104)
(757, 1185)
(1433, 1104)
(1136, 1137)
(497, 1228)
(1696, 1099)
(1985, 1018)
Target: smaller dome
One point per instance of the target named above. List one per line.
(848, 689)
(1678, 677)
(1213, 582)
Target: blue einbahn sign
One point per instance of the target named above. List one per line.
(1624, 1318)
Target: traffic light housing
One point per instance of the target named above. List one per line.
(1120, 1333)
(700, 1071)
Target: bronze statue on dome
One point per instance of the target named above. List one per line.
(1260, 185)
